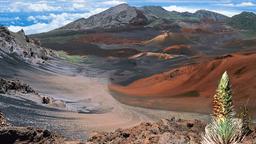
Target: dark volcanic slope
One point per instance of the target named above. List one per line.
(118, 17)
(22, 46)
(123, 17)
(244, 21)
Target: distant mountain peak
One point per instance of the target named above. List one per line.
(244, 21)
(209, 15)
(202, 11)
(247, 13)
(122, 6)
(118, 17)
(124, 16)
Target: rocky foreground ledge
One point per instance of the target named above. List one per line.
(10, 134)
(173, 131)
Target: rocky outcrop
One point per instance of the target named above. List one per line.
(173, 131)
(20, 135)
(18, 87)
(8, 86)
(23, 46)
(3, 121)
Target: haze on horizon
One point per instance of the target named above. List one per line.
(41, 16)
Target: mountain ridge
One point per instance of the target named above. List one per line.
(244, 21)
(124, 16)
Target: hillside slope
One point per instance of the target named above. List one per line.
(244, 21)
(22, 46)
(123, 17)
(176, 88)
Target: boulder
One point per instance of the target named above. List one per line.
(46, 100)
(3, 121)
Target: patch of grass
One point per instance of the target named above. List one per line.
(70, 58)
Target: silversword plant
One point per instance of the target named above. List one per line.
(224, 127)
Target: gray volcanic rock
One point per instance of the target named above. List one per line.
(123, 17)
(120, 16)
(23, 35)
(24, 47)
(174, 131)
(7, 86)
(162, 132)
(156, 12)
(21, 135)
(3, 121)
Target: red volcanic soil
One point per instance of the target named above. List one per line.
(194, 30)
(250, 43)
(181, 46)
(191, 87)
(107, 38)
(180, 49)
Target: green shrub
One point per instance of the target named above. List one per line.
(69, 58)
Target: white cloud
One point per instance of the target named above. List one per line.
(35, 7)
(58, 5)
(78, 5)
(17, 18)
(56, 21)
(226, 12)
(180, 9)
(31, 18)
(246, 4)
(192, 10)
(113, 2)
(242, 4)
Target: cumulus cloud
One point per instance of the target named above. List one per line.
(242, 4)
(192, 10)
(31, 18)
(113, 2)
(180, 9)
(57, 5)
(56, 21)
(35, 7)
(246, 4)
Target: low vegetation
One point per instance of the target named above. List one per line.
(70, 58)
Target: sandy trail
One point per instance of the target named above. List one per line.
(80, 92)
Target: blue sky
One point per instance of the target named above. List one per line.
(36, 16)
